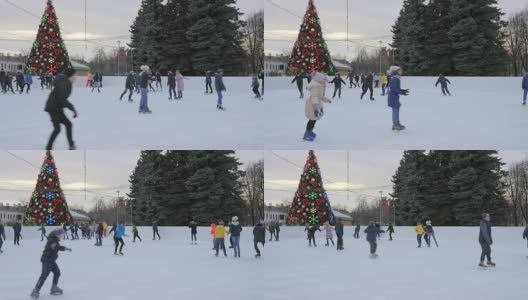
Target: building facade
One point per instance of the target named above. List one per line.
(275, 213)
(12, 64)
(275, 65)
(11, 214)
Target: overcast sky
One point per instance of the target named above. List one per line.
(370, 172)
(108, 20)
(368, 23)
(106, 172)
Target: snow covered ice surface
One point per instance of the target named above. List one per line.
(171, 268)
(483, 113)
(295, 271)
(106, 123)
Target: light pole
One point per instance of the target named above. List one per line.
(381, 49)
(117, 208)
(118, 54)
(381, 199)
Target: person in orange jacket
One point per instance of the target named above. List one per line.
(213, 233)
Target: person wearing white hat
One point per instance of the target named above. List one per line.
(143, 87)
(235, 229)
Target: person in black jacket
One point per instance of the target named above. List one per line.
(99, 234)
(129, 85)
(234, 230)
(171, 82)
(155, 231)
(337, 81)
(259, 236)
(525, 87)
(261, 77)
(49, 263)
(208, 82)
(17, 230)
(97, 82)
(367, 86)
(42, 230)
(311, 234)
(193, 225)
(299, 78)
(135, 231)
(525, 235)
(443, 83)
(57, 101)
(390, 230)
(356, 231)
(20, 82)
(9, 83)
(485, 241)
(2, 80)
(159, 86)
(373, 232)
(350, 78)
(2, 236)
(339, 232)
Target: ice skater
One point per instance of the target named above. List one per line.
(2, 236)
(255, 87)
(311, 229)
(356, 78)
(135, 231)
(299, 80)
(129, 86)
(9, 83)
(155, 231)
(42, 230)
(337, 81)
(119, 233)
(208, 82)
(99, 234)
(329, 234)
(485, 241)
(261, 78)
(159, 86)
(19, 82)
(443, 83)
(234, 230)
(419, 234)
(367, 86)
(180, 85)
(350, 78)
(171, 83)
(96, 82)
(277, 231)
(525, 87)
(390, 230)
(193, 225)
(394, 97)
(356, 231)
(430, 232)
(271, 230)
(384, 81)
(372, 232)
(89, 79)
(2, 80)
(220, 88)
(143, 87)
(313, 107)
(28, 81)
(259, 236)
(219, 238)
(525, 237)
(17, 232)
(339, 229)
(57, 101)
(49, 263)
(213, 234)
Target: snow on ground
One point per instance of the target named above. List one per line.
(168, 269)
(174, 269)
(402, 271)
(106, 123)
(483, 113)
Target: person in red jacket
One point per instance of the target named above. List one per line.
(213, 233)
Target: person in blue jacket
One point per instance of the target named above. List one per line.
(155, 231)
(485, 241)
(525, 87)
(118, 238)
(28, 81)
(372, 232)
(395, 91)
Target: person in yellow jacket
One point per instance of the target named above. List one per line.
(384, 82)
(419, 233)
(105, 229)
(219, 237)
(89, 79)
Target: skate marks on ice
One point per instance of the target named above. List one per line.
(483, 113)
(401, 271)
(166, 269)
(104, 122)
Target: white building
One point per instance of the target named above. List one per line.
(275, 213)
(11, 214)
(275, 65)
(12, 63)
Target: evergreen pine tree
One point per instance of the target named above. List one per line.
(476, 37)
(438, 47)
(176, 53)
(175, 202)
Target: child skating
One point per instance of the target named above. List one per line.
(135, 231)
(42, 230)
(314, 104)
(419, 234)
(312, 228)
(443, 83)
(255, 85)
(49, 263)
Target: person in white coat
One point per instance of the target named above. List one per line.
(314, 104)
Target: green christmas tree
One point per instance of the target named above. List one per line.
(48, 54)
(310, 51)
(310, 203)
(48, 204)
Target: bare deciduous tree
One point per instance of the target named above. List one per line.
(254, 190)
(517, 41)
(517, 192)
(254, 40)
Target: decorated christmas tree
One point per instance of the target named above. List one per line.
(310, 51)
(310, 203)
(48, 54)
(48, 204)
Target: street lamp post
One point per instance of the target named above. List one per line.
(381, 49)
(381, 199)
(117, 208)
(118, 54)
